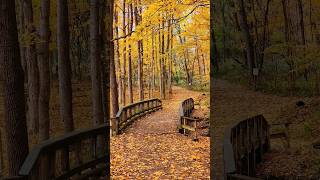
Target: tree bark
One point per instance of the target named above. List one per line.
(117, 55)
(44, 71)
(64, 66)
(130, 28)
(163, 89)
(153, 64)
(113, 76)
(140, 55)
(13, 86)
(95, 58)
(247, 36)
(213, 136)
(123, 72)
(110, 61)
(32, 68)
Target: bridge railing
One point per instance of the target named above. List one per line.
(79, 154)
(131, 112)
(244, 145)
(187, 123)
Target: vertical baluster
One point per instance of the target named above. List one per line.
(35, 172)
(65, 159)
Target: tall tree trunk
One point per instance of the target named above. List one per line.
(105, 66)
(130, 28)
(163, 90)
(21, 28)
(95, 58)
(153, 64)
(13, 87)
(110, 61)
(32, 68)
(123, 72)
(169, 50)
(44, 71)
(117, 55)
(247, 36)
(302, 29)
(140, 55)
(64, 66)
(160, 62)
(213, 135)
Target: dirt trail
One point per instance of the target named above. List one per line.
(151, 148)
(234, 103)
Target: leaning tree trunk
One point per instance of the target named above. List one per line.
(32, 69)
(44, 71)
(13, 87)
(64, 64)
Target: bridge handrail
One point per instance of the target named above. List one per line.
(132, 111)
(246, 140)
(41, 161)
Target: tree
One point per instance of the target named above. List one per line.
(32, 68)
(247, 36)
(44, 71)
(123, 71)
(110, 59)
(14, 101)
(213, 56)
(95, 58)
(64, 65)
(137, 14)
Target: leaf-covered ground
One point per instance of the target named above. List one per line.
(151, 148)
(234, 103)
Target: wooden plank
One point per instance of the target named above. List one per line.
(188, 127)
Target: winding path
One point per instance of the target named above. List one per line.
(151, 147)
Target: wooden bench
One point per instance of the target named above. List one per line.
(188, 124)
(281, 134)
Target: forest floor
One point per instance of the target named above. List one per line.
(152, 148)
(234, 103)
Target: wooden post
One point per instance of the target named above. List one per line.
(287, 135)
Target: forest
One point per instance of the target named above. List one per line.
(270, 46)
(68, 68)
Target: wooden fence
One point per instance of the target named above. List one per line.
(129, 113)
(188, 124)
(79, 154)
(244, 145)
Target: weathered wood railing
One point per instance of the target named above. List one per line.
(129, 113)
(79, 154)
(244, 145)
(187, 124)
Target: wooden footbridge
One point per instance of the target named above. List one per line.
(83, 154)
